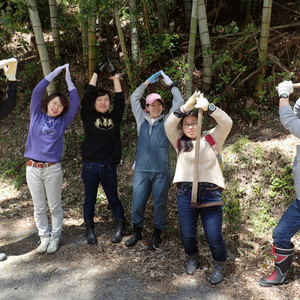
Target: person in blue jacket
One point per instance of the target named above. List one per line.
(152, 173)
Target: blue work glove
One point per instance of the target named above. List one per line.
(154, 77)
(70, 84)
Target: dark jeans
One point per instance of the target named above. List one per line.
(106, 174)
(288, 226)
(211, 220)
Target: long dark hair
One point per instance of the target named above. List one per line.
(63, 99)
(185, 144)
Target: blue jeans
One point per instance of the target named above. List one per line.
(211, 220)
(288, 226)
(106, 174)
(145, 183)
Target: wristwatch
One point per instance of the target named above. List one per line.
(284, 95)
(211, 107)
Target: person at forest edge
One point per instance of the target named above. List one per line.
(101, 148)
(151, 170)
(44, 149)
(289, 224)
(9, 102)
(210, 181)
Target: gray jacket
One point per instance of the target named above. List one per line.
(153, 144)
(291, 121)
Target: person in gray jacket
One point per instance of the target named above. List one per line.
(289, 224)
(152, 173)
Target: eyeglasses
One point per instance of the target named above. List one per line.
(187, 125)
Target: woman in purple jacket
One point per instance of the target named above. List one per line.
(44, 149)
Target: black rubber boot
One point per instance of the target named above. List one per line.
(218, 273)
(192, 263)
(283, 259)
(155, 239)
(137, 236)
(91, 238)
(121, 227)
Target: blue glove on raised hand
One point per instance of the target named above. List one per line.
(154, 77)
(285, 87)
(70, 84)
(54, 73)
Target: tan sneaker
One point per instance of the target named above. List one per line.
(53, 245)
(44, 242)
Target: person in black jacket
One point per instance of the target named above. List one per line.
(101, 148)
(9, 102)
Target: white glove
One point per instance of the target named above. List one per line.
(167, 79)
(5, 62)
(54, 73)
(202, 103)
(10, 68)
(190, 104)
(285, 87)
(70, 84)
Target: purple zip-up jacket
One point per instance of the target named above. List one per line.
(45, 136)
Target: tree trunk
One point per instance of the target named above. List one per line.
(161, 16)
(146, 17)
(92, 44)
(263, 45)
(134, 31)
(42, 49)
(84, 34)
(187, 13)
(191, 51)
(205, 47)
(123, 45)
(55, 30)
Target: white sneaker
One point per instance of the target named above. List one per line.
(44, 242)
(53, 245)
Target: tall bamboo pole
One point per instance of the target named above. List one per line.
(42, 49)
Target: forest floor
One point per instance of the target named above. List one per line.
(113, 271)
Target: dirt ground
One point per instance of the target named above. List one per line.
(113, 271)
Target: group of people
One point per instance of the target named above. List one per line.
(101, 115)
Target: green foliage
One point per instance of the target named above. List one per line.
(160, 47)
(227, 29)
(282, 182)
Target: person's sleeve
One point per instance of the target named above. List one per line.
(10, 100)
(135, 101)
(73, 107)
(297, 108)
(87, 102)
(289, 120)
(177, 99)
(37, 96)
(222, 130)
(119, 105)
